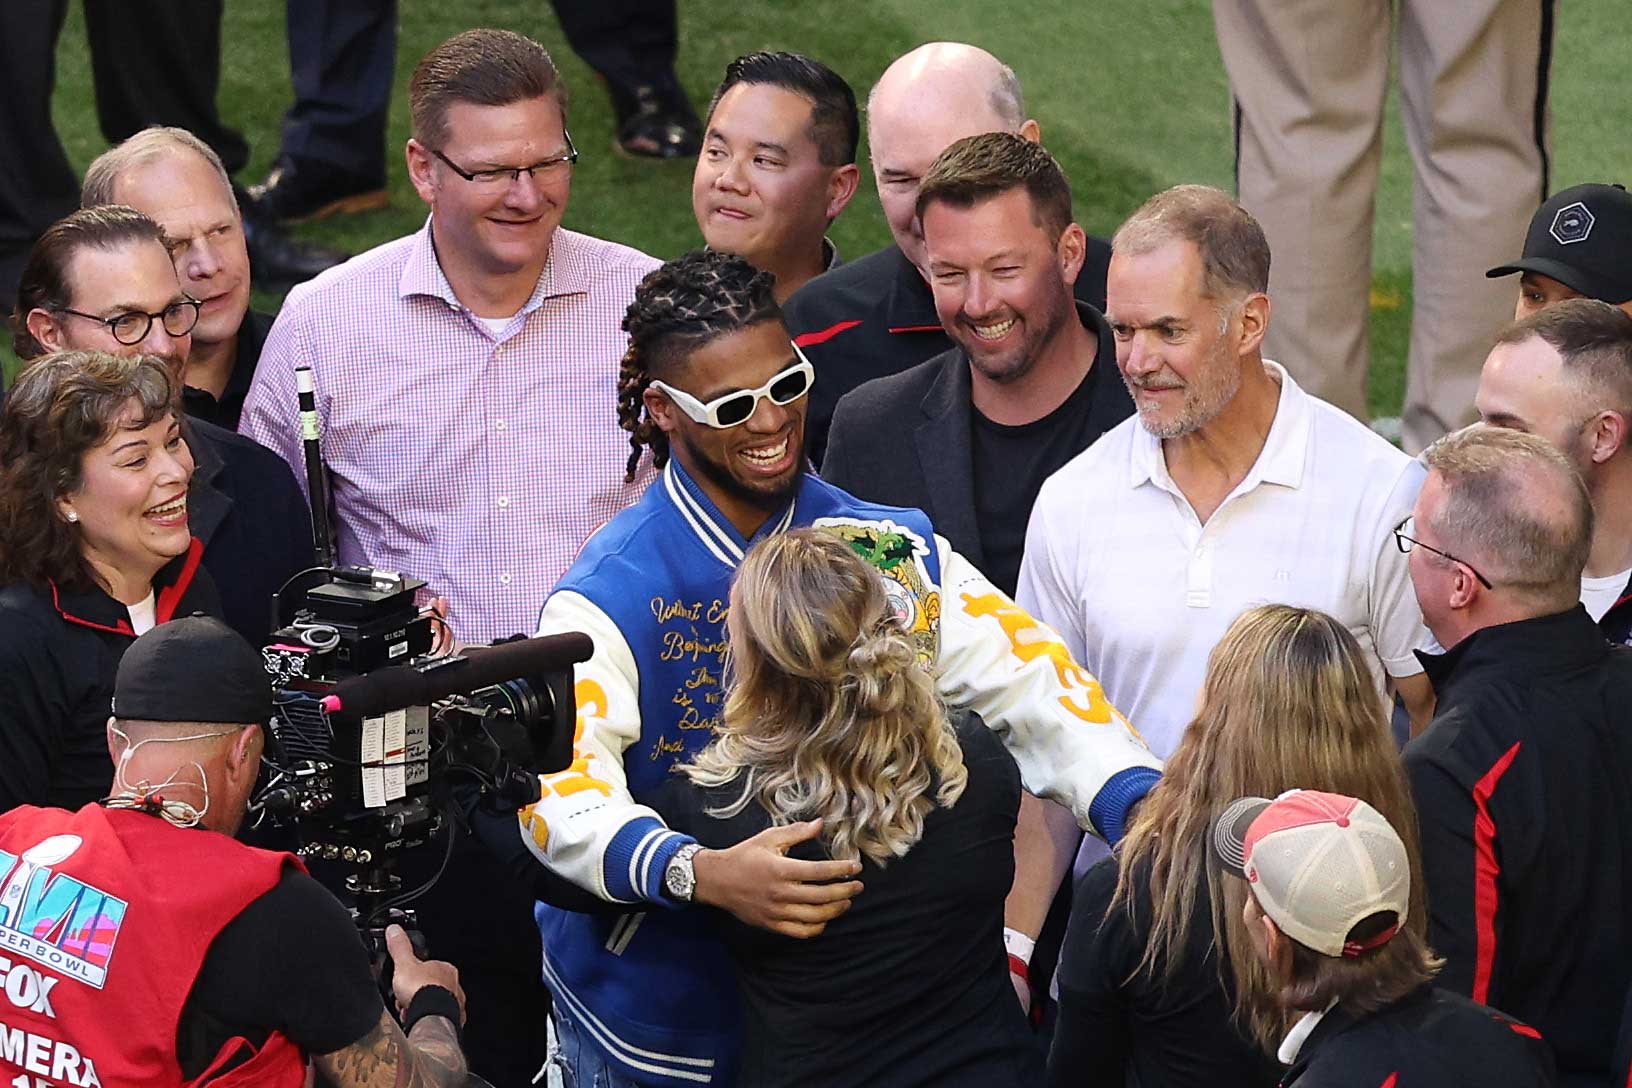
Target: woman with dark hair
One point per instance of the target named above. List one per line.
(831, 715)
(94, 550)
(1156, 975)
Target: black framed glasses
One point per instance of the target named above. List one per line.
(502, 177)
(131, 327)
(1405, 543)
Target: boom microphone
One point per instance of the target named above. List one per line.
(397, 686)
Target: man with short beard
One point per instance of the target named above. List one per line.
(969, 436)
(1232, 487)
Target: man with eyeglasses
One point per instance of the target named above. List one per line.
(1520, 779)
(715, 389)
(102, 279)
(462, 372)
(463, 375)
(1565, 373)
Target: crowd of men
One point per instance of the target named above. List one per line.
(1108, 465)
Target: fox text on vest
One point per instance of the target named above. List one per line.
(50, 1062)
(26, 988)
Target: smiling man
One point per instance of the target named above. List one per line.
(463, 376)
(876, 315)
(713, 386)
(174, 178)
(1031, 382)
(777, 166)
(462, 372)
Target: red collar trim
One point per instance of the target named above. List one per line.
(164, 607)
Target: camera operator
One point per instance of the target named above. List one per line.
(155, 949)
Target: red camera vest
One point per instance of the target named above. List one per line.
(105, 917)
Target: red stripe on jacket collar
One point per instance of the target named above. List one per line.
(164, 606)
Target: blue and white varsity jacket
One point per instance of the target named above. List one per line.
(655, 990)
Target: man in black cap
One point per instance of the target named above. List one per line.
(154, 947)
(1579, 246)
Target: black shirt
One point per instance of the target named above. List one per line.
(875, 316)
(59, 651)
(1429, 1039)
(1011, 463)
(910, 986)
(224, 412)
(1521, 785)
(246, 507)
(1117, 1027)
(291, 962)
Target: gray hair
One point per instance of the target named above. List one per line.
(155, 142)
(1515, 503)
(1234, 251)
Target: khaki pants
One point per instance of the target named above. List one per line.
(1309, 78)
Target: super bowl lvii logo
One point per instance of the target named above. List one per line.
(53, 919)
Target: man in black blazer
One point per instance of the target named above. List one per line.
(970, 435)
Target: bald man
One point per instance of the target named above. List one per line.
(876, 315)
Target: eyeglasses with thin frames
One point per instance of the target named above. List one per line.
(1406, 543)
(132, 326)
(553, 169)
(735, 409)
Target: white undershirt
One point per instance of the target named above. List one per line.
(142, 617)
(1599, 593)
(495, 325)
(1292, 1045)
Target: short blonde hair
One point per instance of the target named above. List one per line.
(102, 176)
(1492, 479)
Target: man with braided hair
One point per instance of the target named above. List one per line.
(714, 387)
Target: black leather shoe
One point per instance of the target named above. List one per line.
(296, 192)
(655, 125)
(279, 261)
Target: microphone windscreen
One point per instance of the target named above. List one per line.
(398, 686)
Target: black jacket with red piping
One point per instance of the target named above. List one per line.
(59, 651)
(875, 316)
(1523, 784)
(1428, 1039)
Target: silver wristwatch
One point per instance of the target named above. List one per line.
(680, 879)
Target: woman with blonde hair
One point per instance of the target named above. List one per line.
(831, 715)
(1156, 974)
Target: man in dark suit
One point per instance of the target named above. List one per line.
(875, 315)
(970, 435)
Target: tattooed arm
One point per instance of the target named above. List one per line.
(428, 1056)
(386, 1058)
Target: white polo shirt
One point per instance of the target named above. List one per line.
(1118, 563)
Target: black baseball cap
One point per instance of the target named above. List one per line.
(194, 669)
(1582, 237)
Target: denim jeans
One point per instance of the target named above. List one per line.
(581, 1063)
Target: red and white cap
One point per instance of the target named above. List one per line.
(1319, 864)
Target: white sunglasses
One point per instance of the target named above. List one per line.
(735, 409)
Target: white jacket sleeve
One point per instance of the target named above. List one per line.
(1072, 745)
(586, 826)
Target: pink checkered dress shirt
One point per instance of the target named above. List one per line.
(478, 462)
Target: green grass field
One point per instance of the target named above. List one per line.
(1130, 93)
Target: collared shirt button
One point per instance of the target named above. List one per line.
(499, 424)
(504, 502)
(504, 579)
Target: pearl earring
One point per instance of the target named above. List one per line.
(72, 517)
